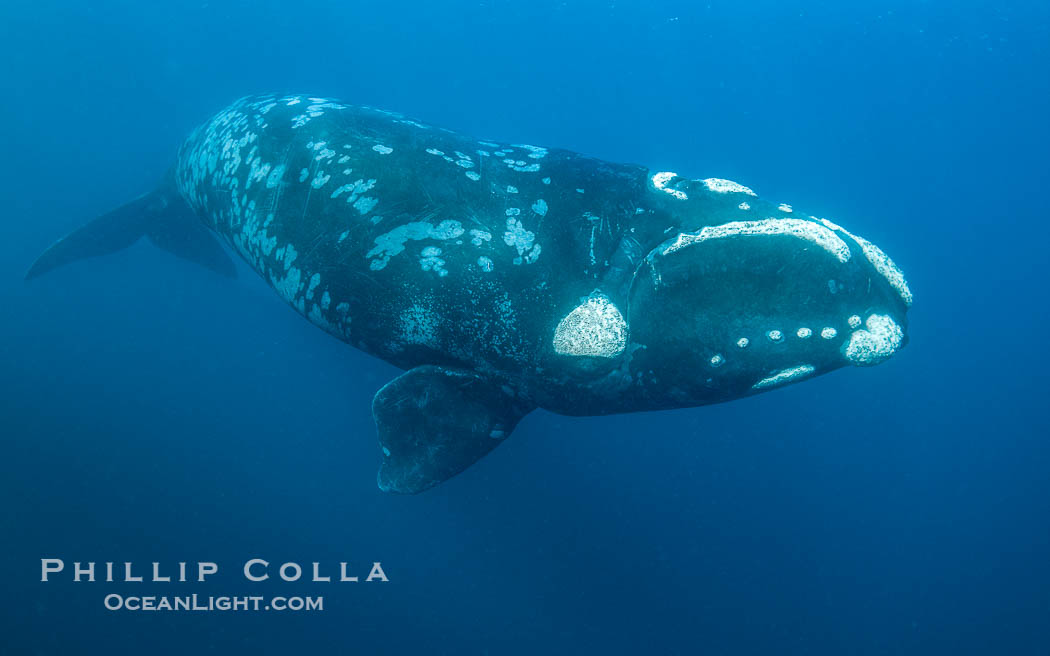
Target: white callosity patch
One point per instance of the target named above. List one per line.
(540, 207)
(660, 181)
(878, 341)
(743, 342)
(485, 264)
(594, 328)
(473, 176)
(775, 335)
(829, 333)
(854, 321)
(717, 360)
(392, 243)
(744, 206)
(882, 263)
(784, 376)
(799, 228)
(804, 333)
(382, 150)
(784, 207)
(720, 186)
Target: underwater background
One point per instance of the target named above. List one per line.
(152, 411)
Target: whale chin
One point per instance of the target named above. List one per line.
(743, 307)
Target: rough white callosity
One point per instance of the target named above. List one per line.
(775, 335)
(660, 181)
(743, 342)
(717, 360)
(828, 333)
(718, 185)
(882, 263)
(878, 341)
(784, 376)
(854, 321)
(804, 333)
(800, 228)
(595, 328)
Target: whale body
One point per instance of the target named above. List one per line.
(506, 277)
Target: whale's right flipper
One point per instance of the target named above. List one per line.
(160, 215)
(434, 422)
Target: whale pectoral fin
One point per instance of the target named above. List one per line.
(434, 422)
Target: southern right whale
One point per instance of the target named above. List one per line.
(505, 277)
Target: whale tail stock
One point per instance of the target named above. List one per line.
(160, 215)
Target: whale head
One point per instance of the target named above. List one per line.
(764, 298)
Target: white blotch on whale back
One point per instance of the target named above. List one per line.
(743, 342)
(854, 321)
(804, 333)
(784, 207)
(829, 333)
(540, 207)
(775, 335)
(382, 150)
(594, 328)
(717, 360)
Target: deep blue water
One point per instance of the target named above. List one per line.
(153, 411)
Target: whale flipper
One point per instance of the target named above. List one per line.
(434, 422)
(161, 215)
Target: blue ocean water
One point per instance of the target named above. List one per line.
(152, 411)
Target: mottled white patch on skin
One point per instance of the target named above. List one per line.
(303, 175)
(882, 263)
(513, 211)
(435, 151)
(478, 237)
(743, 342)
(546, 181)
(877, 342)
(343, 160)
(521, 167)
(804, 333)
(717, 360)
(798, 228)
(382, 150)
(854, 321)
(473, 176)
(465, 163)
(784, 376)
(320, 180)
(829, 333)
(784, 207)
(511, 189)
(485, 264)
(522, 240)
(342, 189)
(315, 280)
(720, 186)
(365, 204)
(744, 206)
(540, 207)
(594, 328)
(579, 191)
(775, 335)
(294, 101)
(660, 181)
(392, 243)
(419, 326)
(430, 260)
